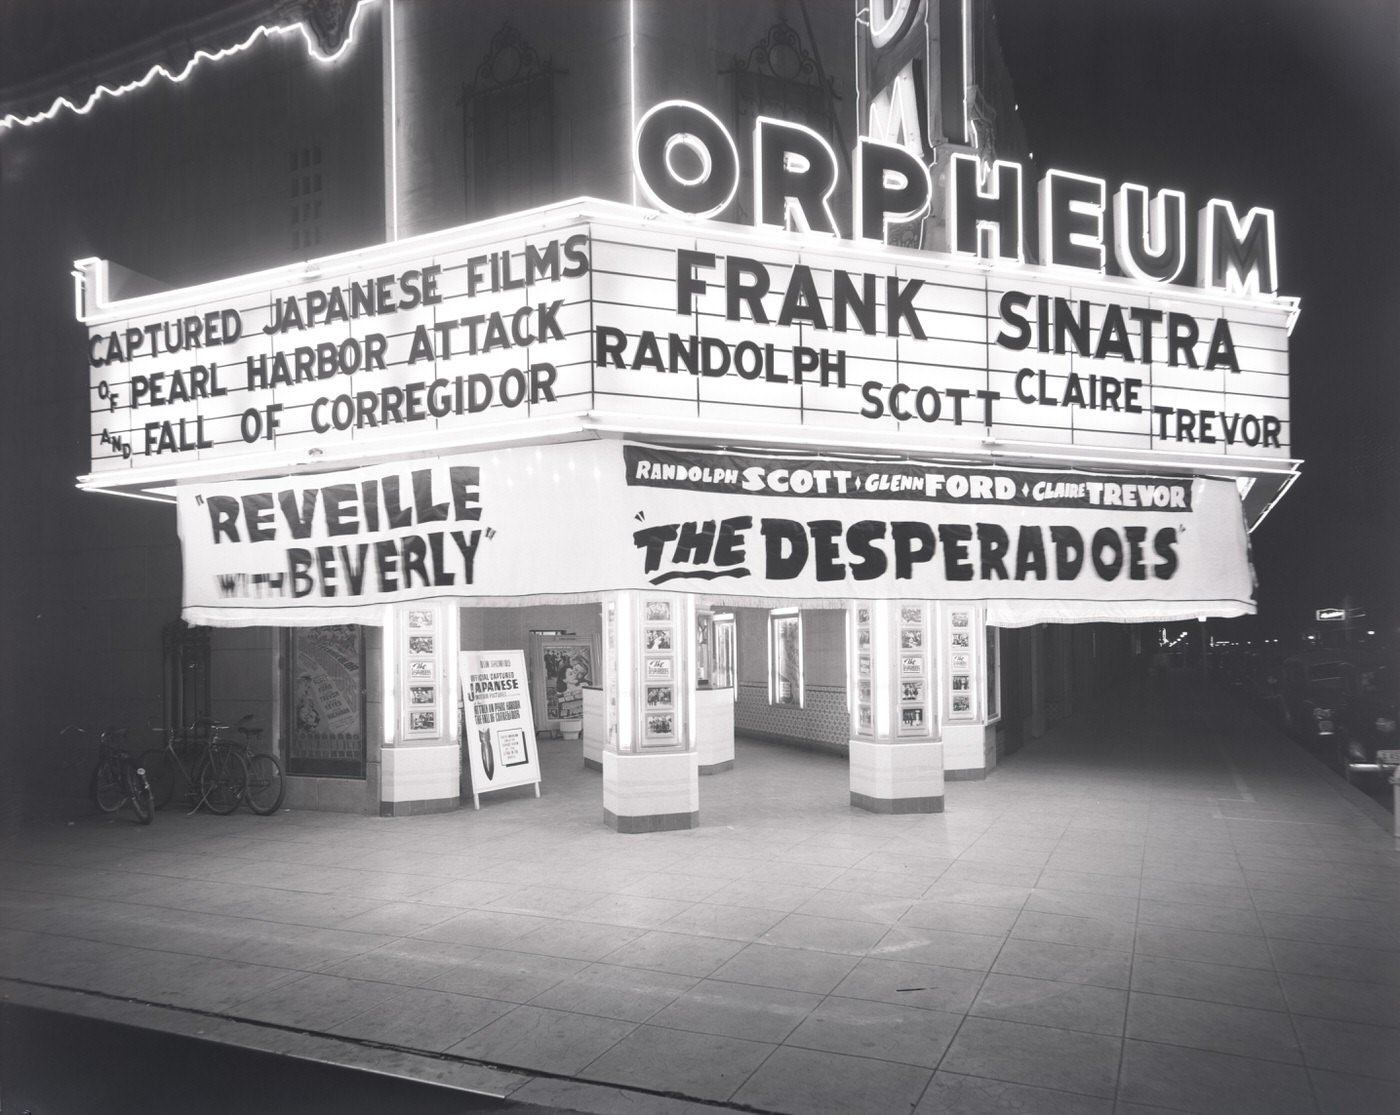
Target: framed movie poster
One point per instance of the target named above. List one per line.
(565, 665)
(326, 701)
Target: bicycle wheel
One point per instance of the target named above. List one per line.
(106, 789)
(139, 794)
(265, 787)
(222, 781)
(160, 776)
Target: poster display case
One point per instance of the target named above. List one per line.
(421, 670)
(659, 646)
(915, 652)
(962, 633)
(890, 670)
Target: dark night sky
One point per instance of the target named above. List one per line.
(1293, 105)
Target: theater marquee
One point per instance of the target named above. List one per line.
(590, 313)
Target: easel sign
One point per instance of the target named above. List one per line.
(497, 724)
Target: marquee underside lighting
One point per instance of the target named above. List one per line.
(265, 31)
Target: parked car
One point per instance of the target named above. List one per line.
(1367, 724)
(1315, 687)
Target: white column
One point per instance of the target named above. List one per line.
(896, 753)
(421, 757)
(651, 777)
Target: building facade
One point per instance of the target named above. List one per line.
(725, 361)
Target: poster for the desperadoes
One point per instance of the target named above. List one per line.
(1035, 545)
(498, 725)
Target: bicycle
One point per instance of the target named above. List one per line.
(223, 773)
(117, 779)
(212, 771)
(265, 787)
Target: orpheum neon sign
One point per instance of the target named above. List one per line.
(688, 163)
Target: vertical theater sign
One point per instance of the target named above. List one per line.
(788, 411)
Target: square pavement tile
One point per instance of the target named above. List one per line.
(763, 895)
(914, 985)
(633, 910)
(627, 994)
(510, 976)
(545, 1040)
(314, 1002)
(1200, 894)
(1189, 915)
(707, 1066)
(1236, 949)
(1075, 904)
(484, 928)
(939, 946)
(1209, 1083)
(1067, 1006)
(791, 969)
(1330, 931)
(573, 940)
(1337, 961)
(959, 917)
(1042, 1056)
(1088, 882)
(1215, 983)
(734, 1010)
(832, 1084)
(1342, 1094)
(977, 1095)
(991, 872)
(977, 894)
(855, 906)
(399, 918)
(1224, 1028)
(1375, 1004)
(422, 1019)
(713, 919)
(684, 954)
(1071, 963)
(887, 884)
(1088, 932)
(859, 1028)
(1350, 1047)
(803, 931)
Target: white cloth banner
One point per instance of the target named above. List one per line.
(564, 523)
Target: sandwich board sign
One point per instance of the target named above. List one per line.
(498, 725)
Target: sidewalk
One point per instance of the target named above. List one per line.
(1157, 907)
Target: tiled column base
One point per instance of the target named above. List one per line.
(419, 779)
(651, 793)
(897, 777)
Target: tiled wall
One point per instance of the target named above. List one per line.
(822, 723)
